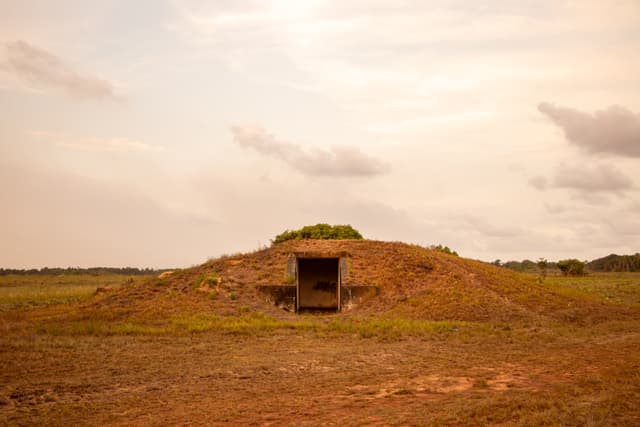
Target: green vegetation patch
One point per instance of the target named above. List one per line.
(571, 267)
(244, 323)
(443, 249)
(320, 231)
(99, 327)
(248, 322)
(392, 327)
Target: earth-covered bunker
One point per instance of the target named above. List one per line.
(317, 281)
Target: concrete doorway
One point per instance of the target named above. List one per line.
(318, 284)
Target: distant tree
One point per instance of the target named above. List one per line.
(497, 263)
(542, 266)
(444, 249)
(513, 265)
(524, 266)
(571, 267)
(319, 231)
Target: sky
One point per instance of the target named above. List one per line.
(163, 133)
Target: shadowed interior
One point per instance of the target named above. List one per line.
(318, 283)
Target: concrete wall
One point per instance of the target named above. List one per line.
(292, 264)
(318, 283)
(284, 296)
(280, 296)
(352, 296)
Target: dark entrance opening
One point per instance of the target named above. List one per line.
(318, 284)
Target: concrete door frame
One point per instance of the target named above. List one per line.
(339, 282)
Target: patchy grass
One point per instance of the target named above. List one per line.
(95, 327)
(23, 291)
(394, 328)
(255, 323)
(370, 327)
(620, 288)
(244, 323)
(206, 280)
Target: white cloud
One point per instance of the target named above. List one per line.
(340, 161)
(41, 69)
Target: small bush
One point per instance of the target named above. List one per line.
(207, 280)
(159, 282)
(320, 231)
(571, 267)
(443, 249)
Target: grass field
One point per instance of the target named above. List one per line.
(62, 365)
(619, 288)
(22, 291)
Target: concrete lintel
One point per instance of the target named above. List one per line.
(321, 254)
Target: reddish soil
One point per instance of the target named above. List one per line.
(303, 379)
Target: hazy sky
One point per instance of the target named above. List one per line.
(158, 134)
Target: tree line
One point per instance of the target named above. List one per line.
(575, 267)
(93, 271)
(615, 262)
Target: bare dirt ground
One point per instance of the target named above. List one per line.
(306, 378)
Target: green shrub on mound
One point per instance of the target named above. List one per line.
(320, 231)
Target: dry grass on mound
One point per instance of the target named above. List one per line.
(415, 283)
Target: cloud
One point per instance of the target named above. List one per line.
(539, 182)
(341, 160)
(487, 228)
(613, 131)
(625, 227)
(603, 178)
(634, 208)
(39, 68)
(590, 184)
(94, 143)
(555, 209)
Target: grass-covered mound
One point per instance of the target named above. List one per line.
(414, 282)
